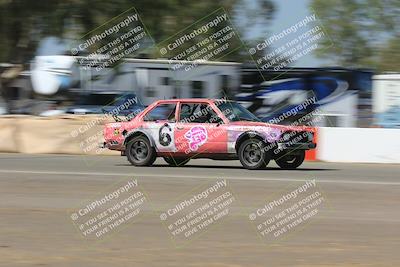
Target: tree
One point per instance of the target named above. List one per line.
(23, 23)
(390, 56)
(359, 30)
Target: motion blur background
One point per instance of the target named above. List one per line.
(53, 110)
(355, 72)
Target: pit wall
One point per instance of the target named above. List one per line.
(45, 135)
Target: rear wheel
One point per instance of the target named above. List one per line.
(252, 154)
(176, 162)
(139, 152)
(291, 161)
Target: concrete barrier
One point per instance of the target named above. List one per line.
(82, 134)
(359, 145)
(9, 141)
(53, 135)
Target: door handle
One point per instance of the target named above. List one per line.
(179, 127)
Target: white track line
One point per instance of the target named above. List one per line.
(201, 177)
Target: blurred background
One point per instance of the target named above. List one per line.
(52, 116)
(355, 73)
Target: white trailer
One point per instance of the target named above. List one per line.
(386, 100)
(156, 79)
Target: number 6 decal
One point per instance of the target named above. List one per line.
(163, 135)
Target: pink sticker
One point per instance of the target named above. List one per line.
(273, 135)
(196, 137)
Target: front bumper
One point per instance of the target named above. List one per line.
(296, 146)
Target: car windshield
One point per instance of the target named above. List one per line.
(236, 112)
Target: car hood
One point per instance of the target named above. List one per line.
(283, 128)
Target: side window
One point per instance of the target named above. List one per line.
(198, 113)
(161, 112)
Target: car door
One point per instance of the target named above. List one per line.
(160, 122)
(199, 130)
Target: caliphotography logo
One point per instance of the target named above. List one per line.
(197, 212)
(286, 213)
(110, 211)
(211, 38)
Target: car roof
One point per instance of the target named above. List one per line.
(195, 100)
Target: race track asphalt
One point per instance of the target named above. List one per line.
(358, 223)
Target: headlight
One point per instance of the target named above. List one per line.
(286, 136)
(310, 136)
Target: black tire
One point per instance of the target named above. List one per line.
(290, 161)
(253, 155)
(139, 151)
(176, 162)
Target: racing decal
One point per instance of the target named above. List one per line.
(196, 137)
(164, 135)
(272, 134)
(115, 125)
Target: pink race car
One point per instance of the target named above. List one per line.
(182, 129)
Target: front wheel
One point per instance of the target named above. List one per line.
(253, 155)
(139, 152)
(291, 161)
(176, 162)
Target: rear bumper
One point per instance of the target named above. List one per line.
(112, 145)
